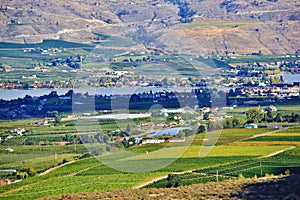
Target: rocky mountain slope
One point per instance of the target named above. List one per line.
(218, 26)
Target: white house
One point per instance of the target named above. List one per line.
(9, 149)
(251, 126)
(205, 110)
(19, 131)
(173, 111)
(153, 141)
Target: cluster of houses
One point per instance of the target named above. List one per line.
(278, 91)
(159, 124)
(10, 85)
(271, 126)
(43, 51)
(7, 181)
(44, 122)
(19, 131)
(264, 94)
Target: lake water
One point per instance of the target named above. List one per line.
(7, 94)
(291, 78)
(19, 93)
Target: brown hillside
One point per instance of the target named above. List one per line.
(271, 26)
(275, 188)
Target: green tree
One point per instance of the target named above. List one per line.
(108, 148)
(206, 116)
(236, 123)
(57, 120)
(202, 128)
(125, 143)
(128, 129)
(215, 125)
(278, 118)
(30, 171)
(22, 175)
(68, 138)
(228, 123)
(269, 115)
(255, 114)
(131, 141)
(173, 181)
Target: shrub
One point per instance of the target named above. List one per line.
(173, 181)
(269, 175)
(241, 177)
(31, 171)
(22, 175)
(287, 172)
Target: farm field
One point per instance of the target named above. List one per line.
(263, 58)
(41, 157)
(284, 137)
(216, 23)
(49, 62)
(228, 158)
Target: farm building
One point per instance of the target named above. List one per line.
(172, 111)
(150, 141)
(251, 126)
(8, 181)
(275, 126)
(146, 124)
(271, 108)
(9, 149)
(173, 140)
(19, 131)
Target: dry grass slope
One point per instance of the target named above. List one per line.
(286, 187)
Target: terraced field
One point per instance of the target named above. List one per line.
(227, 160)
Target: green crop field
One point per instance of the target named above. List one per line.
(44, 44)
(276, 164)
(92, 176)
(278, 138)
(74, 184)
(262, 58)
(40, 157)
(226, 136)
(231, 157)
(219, 24)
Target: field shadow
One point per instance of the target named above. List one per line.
(287, 188)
